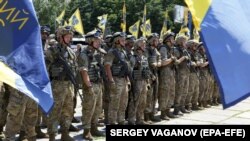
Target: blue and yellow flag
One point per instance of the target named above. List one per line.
(22, 64)
(134, 29)
(123, 24)
(76, 21)
(226, 37)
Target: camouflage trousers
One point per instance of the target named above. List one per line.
(137, 102)
(193, 90)
(62, 112)
(4, 99)
(22, 112)
(91, 105)
(118, 100)
(152, 96)
(106, 100)
(204, 85)
(210, 88)
(166, 88)
(182, 84)
(216, 92)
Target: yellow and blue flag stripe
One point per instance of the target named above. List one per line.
(22, 63)
(225, 31)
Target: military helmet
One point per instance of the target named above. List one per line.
(200, 44)
(108, 37)
(138, 43)
(118, 34)
(180, 39)
(192, 43)
(45, 29)
(67, 30)
(167, 35)
(130, 37)
(90, 36)
(152, 37)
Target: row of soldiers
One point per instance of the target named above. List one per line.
(116, 75)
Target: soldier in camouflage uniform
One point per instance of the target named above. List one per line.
(194, 77)
(4, 98)
(117, 69)
(129, 48)
(140, 74)
(181, 74)
(61, 60)
(107, 45)
(22, 111)
(154, 59)
(89, 67)
(167, 77)
(205, 79)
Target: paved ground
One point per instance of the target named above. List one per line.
(236, 115)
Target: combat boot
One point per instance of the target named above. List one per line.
(177, 111)
(164, 115)
(215, 101)
(170, 114)
(154, 118)
(75, 120)
(195, 107)
(32, 138)
(65, 136)
(205, 104)
(183, 110)
(188, 108)
(40, 134)
(95, 132)
(87, 135)
(146, 118)
(52, 137)
(73, 128)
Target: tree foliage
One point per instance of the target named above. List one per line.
(48, 10)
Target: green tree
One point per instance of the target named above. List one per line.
(48, 10)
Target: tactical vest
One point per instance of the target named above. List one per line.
(93, 66)
(119, 67)
(58, 70)
(141, 69)
(152, 55)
